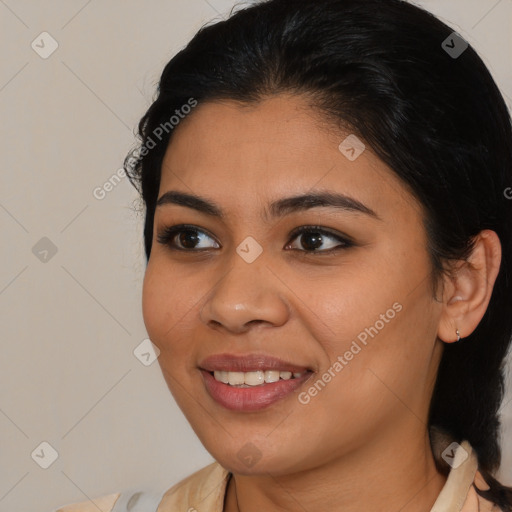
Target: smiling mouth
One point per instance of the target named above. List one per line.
(244, 397)
(254, 378)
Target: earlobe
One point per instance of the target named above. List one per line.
(450, 335)
(468, 290)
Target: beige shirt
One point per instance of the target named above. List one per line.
(204, 490)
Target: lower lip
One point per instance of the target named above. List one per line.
(253, 398)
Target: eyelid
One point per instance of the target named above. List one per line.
(323, 230)
(167, 234)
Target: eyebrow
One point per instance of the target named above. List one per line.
(277, 208)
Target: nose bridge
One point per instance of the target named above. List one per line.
(248, 292)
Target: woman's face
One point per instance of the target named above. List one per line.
(358, 314)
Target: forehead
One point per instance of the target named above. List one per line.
(280, 146)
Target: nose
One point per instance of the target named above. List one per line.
(250, 293)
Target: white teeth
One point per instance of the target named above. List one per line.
(256, 378)
(271, 376)
(222, 376)
(235, 378)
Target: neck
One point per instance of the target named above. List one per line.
(383, 476)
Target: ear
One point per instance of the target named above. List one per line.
(467, 292)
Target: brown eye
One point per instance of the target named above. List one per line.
(184, 238)
(192, 239)
(187, 239)
(313, 238)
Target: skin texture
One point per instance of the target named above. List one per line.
(369, 423)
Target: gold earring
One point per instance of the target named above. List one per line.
(458, 334)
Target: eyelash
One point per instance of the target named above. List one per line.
(167, 235)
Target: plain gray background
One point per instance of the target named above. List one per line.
(72, 264)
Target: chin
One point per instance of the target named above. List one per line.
(250, 461)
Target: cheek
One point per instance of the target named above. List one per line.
(342, 306)
(154, 306)
(377, 311)
(171, 301)
(165, 302)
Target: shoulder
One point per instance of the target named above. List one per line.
(130, 500)
(103, 503)
(203, 490)
(464, 477)
(206, 486)
(475, 502)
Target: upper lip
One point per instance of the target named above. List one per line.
(248, 363)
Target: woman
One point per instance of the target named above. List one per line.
(329, 261)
